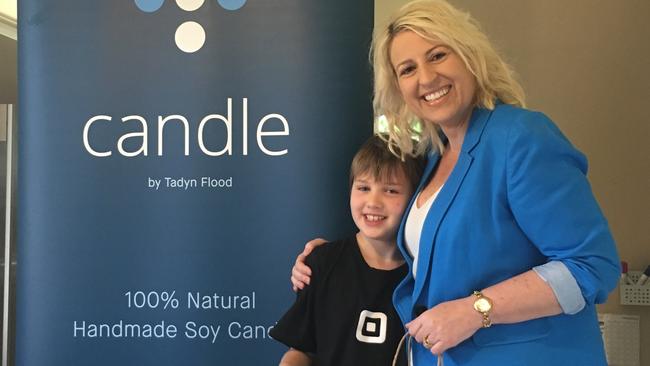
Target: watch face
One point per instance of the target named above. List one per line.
(482, 305)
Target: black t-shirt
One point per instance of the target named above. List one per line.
(345, 317)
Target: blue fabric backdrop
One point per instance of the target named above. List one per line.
(115, 252)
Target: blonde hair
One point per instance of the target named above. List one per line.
(437, 20)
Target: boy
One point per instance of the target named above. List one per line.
(346, 315)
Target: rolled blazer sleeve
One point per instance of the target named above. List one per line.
(552, 202)
(564, 286)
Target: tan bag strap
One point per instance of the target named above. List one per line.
(399, 348)
(441, 361)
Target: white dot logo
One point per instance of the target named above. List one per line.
(189, 36)
(189, 5)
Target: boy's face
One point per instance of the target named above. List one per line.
(377, 206)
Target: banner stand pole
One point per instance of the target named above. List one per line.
(8, 232)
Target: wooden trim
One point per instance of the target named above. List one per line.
(8, 27)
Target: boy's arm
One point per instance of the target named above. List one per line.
(297, 327)
(293, 357)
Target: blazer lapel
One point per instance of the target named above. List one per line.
(446, 196)
(431, 163)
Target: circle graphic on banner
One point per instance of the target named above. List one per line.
(189, 5)
(190, 37)
(149, 6)
(231, 4)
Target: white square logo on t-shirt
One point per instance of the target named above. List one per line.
(372, 327)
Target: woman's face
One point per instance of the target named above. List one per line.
(433, 80)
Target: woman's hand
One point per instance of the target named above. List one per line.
(301, 273)
(446, 325)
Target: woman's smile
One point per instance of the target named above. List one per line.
(436, 95)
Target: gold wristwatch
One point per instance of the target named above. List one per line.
(483, 305)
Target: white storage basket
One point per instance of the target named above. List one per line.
(633, 294)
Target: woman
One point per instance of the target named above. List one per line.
(507, 248)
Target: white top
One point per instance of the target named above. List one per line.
(413, 227)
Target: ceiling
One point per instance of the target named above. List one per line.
(9, 8)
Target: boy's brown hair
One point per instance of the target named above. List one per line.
(374, 158)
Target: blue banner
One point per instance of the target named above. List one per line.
(174, 157)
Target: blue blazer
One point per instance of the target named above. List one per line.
(518, 197)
